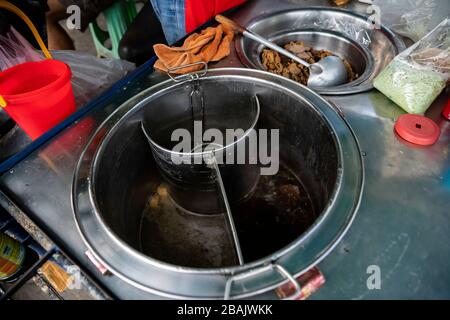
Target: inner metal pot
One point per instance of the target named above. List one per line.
(346, 34)
(173, 253)
(175, 134)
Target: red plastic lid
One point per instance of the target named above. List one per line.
(417, 129)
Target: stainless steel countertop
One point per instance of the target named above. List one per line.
(403, 224)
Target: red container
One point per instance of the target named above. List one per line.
(446, 111)
(38, 95)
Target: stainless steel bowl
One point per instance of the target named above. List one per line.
(116, 175)
(347, 34)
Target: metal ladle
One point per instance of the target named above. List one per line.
(328, 72)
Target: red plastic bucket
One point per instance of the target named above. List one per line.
(38, 95)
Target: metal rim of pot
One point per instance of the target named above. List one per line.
(363, 83)
(262, 275)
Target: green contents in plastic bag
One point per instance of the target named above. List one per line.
(411, 88)
(416, 77)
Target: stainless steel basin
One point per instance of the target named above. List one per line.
(175, 253)
(347, 34)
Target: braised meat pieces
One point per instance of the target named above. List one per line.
(279, 64)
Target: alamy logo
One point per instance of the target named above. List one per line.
(374, 280)
(74, 281)
(260, 147)
(73, 22)
(374, 13)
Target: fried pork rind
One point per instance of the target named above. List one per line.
(278, 64)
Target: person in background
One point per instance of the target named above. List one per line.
(58, 39)
(177, 18)
(180, 17)
(165, 22)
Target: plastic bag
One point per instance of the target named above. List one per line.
(416, 77)
(355, 31)
(15, 49)
(413, 18)
(91, 75)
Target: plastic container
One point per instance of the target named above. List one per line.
(37, 95)
(446, 111)
(119, 17)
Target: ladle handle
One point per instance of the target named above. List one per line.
(256, 37)
(237, 28)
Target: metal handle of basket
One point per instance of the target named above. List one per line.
(188, 76)
(271, 267)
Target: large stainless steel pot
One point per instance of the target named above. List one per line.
(117, 173)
